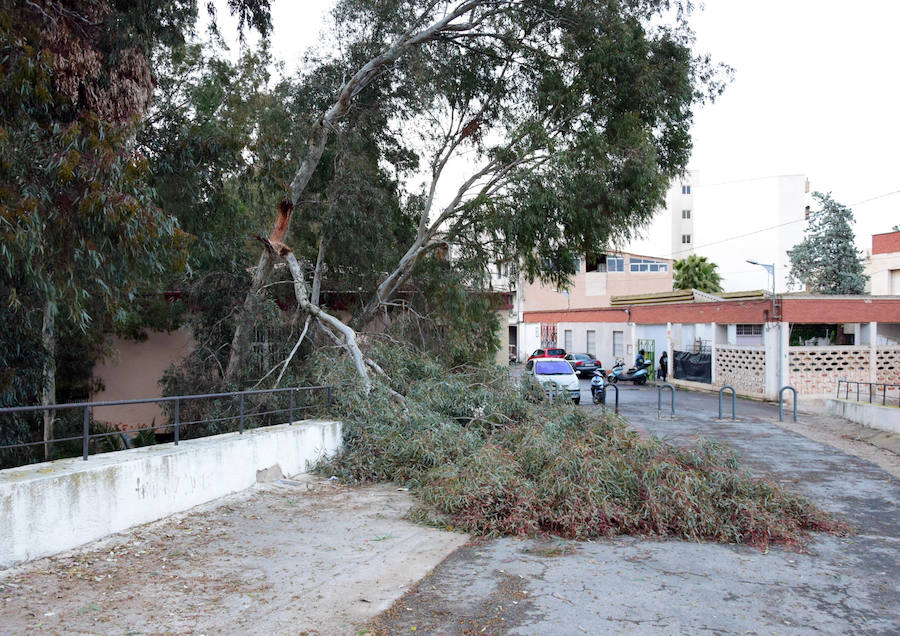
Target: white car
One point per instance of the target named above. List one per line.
(549, 371)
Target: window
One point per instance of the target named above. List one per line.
(749, 330)
(685, 188)
(595, 262)
(686, 239)
(647, 265)
(685, 214)
(615, 263)
(591, 345)
(618, 341)
(567, 334)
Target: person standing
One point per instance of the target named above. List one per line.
(663, 370)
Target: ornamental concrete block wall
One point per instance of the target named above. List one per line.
(816, 370)
(887, 365)
(743, 367)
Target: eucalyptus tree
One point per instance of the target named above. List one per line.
(572, 118)
(81, 236)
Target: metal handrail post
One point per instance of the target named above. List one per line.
(857, 391)
(291, 407)
(733, 401)
(177, 419)
(781, 402)
(241, 418)
(86, 432)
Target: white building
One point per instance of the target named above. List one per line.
(728, 223)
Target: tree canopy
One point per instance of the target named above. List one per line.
(696, 272)
(826, 260)
(572, 118)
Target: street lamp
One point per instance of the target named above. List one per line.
(770, 268)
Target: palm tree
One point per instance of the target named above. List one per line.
(695, 272)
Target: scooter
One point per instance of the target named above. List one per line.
(638, 376)
(598, 387)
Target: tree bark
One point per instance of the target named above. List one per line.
(48, 388)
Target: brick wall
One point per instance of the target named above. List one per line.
(887, 243)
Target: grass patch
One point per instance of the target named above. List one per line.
(491, 457)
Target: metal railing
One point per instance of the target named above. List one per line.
(886, 399)
(235, 415)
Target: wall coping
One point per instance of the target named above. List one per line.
(54, 506)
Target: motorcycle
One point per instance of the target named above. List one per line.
(638, 376)
(598, 387)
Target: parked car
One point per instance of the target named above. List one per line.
(548, 353)
(554, 371)
(583, 363)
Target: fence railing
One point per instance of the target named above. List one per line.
(871, 389)
(235, 411)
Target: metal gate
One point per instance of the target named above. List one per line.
(649, 347)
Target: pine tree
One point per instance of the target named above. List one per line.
(826, 261)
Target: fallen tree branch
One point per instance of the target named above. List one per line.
(300, 293)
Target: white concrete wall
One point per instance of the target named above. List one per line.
(885, 418)
(54, 506)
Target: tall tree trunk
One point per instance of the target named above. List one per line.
(48, 386)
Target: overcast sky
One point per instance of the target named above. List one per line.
(815, 92)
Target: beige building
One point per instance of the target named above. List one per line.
(598, 279)
(883, 266)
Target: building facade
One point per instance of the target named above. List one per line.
(745, 347)
(729, 223)
(883, 265)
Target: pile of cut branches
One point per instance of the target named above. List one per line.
(491, 457)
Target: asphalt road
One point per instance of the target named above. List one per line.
(839, 585)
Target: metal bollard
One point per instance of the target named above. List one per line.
(665, 385)
(733, 401)
(781, 402)
(613, 386)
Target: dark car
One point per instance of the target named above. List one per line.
(584, 364)
(548, 353)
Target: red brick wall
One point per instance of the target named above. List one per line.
(887, 243)
(798, 310)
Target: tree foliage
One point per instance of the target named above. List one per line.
(571, 116)
(696, 272)
(826, 261)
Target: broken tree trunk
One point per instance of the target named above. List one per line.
(240, 342)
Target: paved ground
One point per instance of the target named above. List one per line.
(297, 556)
(303, 556)
(848, 585)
